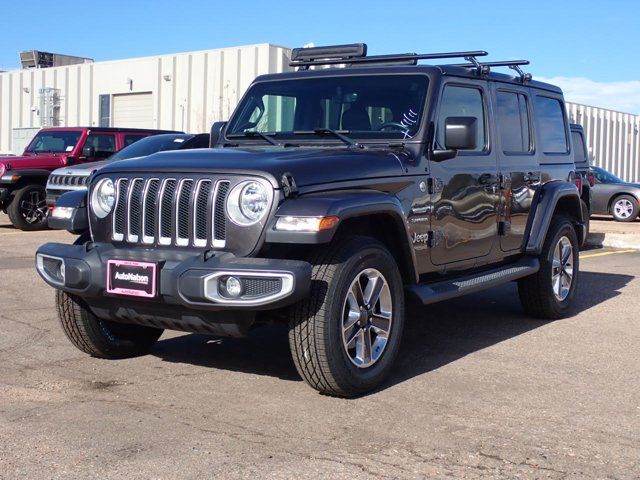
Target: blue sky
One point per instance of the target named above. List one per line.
(590, 46)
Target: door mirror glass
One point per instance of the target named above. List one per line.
(461, 133)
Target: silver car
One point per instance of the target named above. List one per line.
(613, 196)
(76, 177)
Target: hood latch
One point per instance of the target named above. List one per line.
(289, 186)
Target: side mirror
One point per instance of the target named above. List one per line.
(460, 133)
(89, 152)
(217, 130)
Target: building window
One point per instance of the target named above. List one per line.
(105, 110)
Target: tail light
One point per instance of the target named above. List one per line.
(592, 179)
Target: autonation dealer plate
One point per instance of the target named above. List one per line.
(137, 279)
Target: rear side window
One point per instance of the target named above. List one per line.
(553, 136)
(462, 102)
(579, 155)
(513, 122)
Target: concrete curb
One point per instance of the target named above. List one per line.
(614, 240)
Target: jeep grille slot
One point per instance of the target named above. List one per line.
(169, 211)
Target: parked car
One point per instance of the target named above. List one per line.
(75, 177)
(614, 196)
(331, 193)
(23, 178)
(584, 178)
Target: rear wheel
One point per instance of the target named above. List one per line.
(102, 338)
(625, 208)
(345, 336)
(28, 208)
(549, 293)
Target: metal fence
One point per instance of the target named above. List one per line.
(613, 139)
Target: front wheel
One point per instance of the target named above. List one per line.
(549, 293)
(625, 208)
(345, 336)
(101, 338)
(28, 208)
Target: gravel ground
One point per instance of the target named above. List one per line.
(480, 391)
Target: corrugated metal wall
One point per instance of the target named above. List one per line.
(190, 90)
(613, 139)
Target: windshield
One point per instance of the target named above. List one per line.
(364, 107)
(149, 145)
(602, 176)
(54, 142)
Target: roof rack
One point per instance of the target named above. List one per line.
(486, 66)
(356, 54)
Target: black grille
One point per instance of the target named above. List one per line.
(150, 209)
(169, 211)
(260, 287)
(220, 223)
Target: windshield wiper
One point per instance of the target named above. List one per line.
(252, 134)
(338, 134)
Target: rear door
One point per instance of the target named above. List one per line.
(518, 166)
(464, 188)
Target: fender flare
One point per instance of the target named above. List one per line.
(345, 205)
(543, 209)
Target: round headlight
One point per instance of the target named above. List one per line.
(103, 198)
(247, 203)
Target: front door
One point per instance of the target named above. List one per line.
(465, 189)
(517, 163)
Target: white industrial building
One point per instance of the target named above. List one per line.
(190, 91)
(186, 91)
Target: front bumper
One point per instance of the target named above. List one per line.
(185, 280)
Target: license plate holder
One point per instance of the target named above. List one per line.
(132, 279)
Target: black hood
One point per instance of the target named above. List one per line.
(310, 166)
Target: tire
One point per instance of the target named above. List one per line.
(28, 209)
(536, 292)
(316, 323)
(101, 338)
(586, 214)
(624, 208)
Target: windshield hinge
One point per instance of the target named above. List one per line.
(289, 186)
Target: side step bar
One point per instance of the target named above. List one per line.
(436, 292)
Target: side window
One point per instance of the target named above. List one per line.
(129, 139)
(462, 102)
(553, 136)
(104, 110)
(104, 144)
(513, 122)
(579, 155)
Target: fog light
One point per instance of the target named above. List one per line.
(233, 286)
(62, 213)
(51, 268)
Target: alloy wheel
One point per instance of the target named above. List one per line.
(562, 269)
(623, 208)
(367, 317)
(33, 208)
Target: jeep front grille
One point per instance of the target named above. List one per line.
(170, 211)
(68, 180)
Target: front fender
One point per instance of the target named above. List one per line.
(344, 205)
(550, 196)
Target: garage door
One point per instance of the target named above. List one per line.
(133, 110)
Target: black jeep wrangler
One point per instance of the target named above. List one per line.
(330, 193)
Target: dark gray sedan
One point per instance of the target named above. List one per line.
(614, 196)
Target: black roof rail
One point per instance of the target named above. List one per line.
(484, 67)
(356, 54)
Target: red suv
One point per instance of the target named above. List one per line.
(23, 178)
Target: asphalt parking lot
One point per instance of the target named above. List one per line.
(480, 391)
